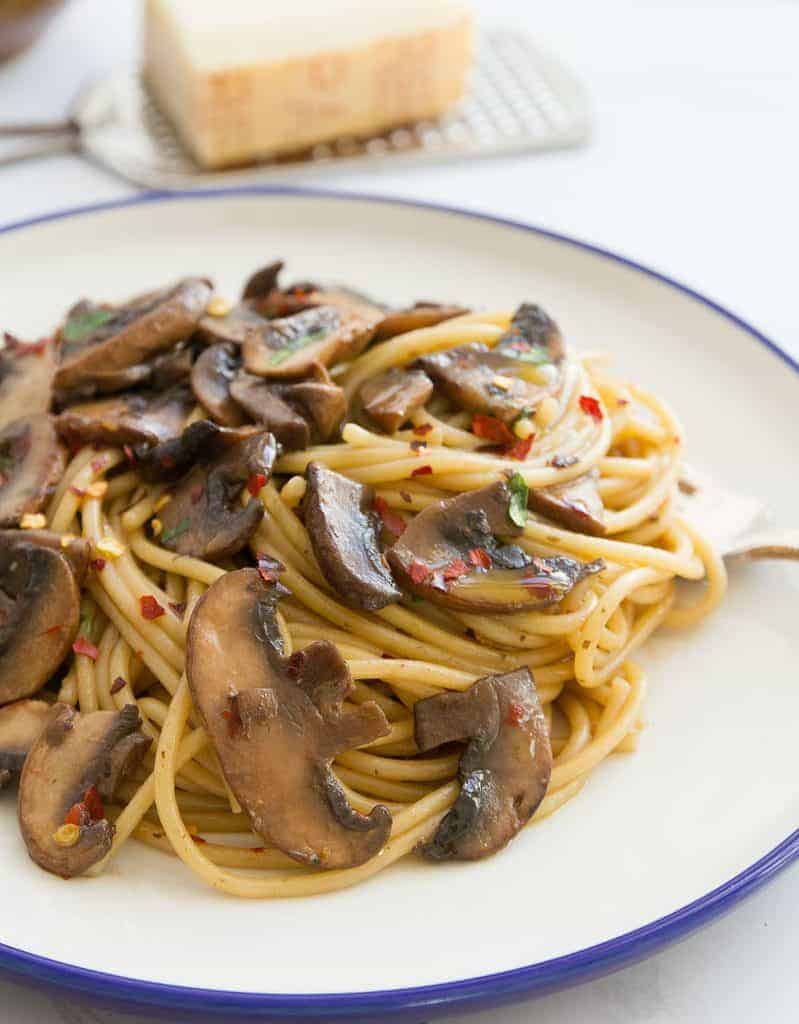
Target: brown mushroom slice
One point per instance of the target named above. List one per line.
(110, 338)
(262, 402)
(451, 554)
(74, 766)
(39, 614)
(134, 418)
(391, 397)
(533, 337)
(203, 517)
(76, 550)
(324, 334)
(509, 380)
(20, 725)
(343, 528)
(211, 378)
(262, 283)
(415, 317)
(576, 504)
(31, 464)
(26, 378)
(277, 723)
(504, 771)
(232, 328)
(321, 401)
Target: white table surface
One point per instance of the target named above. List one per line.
(693, 169)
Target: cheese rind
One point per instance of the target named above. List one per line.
(230, 109)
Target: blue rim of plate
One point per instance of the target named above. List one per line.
(449, 997)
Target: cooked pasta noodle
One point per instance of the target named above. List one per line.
(581, 650)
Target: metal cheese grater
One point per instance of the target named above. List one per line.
(520, 99)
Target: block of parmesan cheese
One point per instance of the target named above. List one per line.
(245, 79)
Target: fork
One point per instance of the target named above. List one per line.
(731, 521)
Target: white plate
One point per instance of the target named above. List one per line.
(655, 844)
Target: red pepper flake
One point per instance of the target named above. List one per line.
(516, 714)
(258, 849)
(422, 429)
(591, 406)
(295, 664)
(519, 450)
(38, 347)
(178, 607)
(456, 568)
(418, 446)
(150, 608)
(418, 572)
(98, 465)
(93, 803)
(622, 402)
(196, 493)
(84, 646)
(396, 524)
(118, 684)
(130, 455)
(520, 346)
(269, 569)
(491, 429)
(422, 470)
(77, 815)
(52, 629)
(198, 840)
(256, 482)
(406, 497)
(98, 564)
(480, 558)
(78, 491)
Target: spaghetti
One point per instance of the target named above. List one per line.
(580, 650)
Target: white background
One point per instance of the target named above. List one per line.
(694, 169)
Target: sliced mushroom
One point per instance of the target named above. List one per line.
(159, 373)
(20, 725)
(232, 328)
(277, 723)
(262, 283)
(504, 771)
(509, 380)
(76, 550)
(415, 317)
(39, 614)
(203, 517)
(343, 528)
(391, 397)
(74, 766)
(321, 401)
(132, 418)
(106, 339)
(261, 401)
(26, 378)
(211, 378)
(451, 555)
(31, 464)
(324, 334)
(577, 503)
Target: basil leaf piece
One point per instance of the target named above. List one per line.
(517, 506)
(536, 356)
(282, 354)
(180, 529)
(81, 326)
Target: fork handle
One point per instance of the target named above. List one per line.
(28, 128)
(767, 544)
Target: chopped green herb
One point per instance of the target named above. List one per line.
(81, 326)
(536, 356)
(517, 507)
(283, 354)
(180, 529)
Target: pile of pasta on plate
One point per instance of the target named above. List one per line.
(304, 584)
